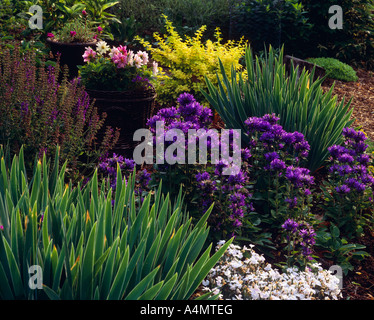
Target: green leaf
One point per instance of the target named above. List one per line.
(108, 270)
(51, 293)
(165, 291)
(198, 274)
(117, 290)
(86, 284)
(139, 289)
(151, 292)
(14, 271)
(5, 289)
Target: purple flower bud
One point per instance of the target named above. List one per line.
(343, 189)
(290, 225)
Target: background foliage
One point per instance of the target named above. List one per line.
(352, 44)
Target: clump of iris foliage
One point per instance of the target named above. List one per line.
(91, 248)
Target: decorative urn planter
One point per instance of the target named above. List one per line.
(127, 110)
(71, 54)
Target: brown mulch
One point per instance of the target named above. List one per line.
(362, 92)
(359, 283)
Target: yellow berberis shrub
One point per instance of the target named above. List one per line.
(184, 62)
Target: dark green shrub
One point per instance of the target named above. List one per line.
(268, 22)
(353, 44)
(12, 17)
(335, 69)
(186, 16)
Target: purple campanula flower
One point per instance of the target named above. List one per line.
(238, 179)
(202, 176)
(299, 176)
(341, 169)
(343, 189)
(352, 134)
(219, 167)
(360, 169)
(246, 154)
(206, 117)
(191, 112)
(360, 147)
(277, 165)
(290, 225)
(270, 156)
(292, 203)
(288, 138)
(363, 159)
(257, 124)
(151, 123)
(271, 118)
(345, 157)
(336, 150)
(185, 99)
(267, 136)
(302, 146)
(237, 223)
(144, 178)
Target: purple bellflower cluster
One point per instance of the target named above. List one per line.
(300, 237)
(276, 158)
(108, 167)
(350, 183)
(230, 195)
(188, 115)
(348, 165)
(275, 140)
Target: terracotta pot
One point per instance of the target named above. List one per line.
(71, 54)
(128, 110)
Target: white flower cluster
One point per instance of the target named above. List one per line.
(242, 274)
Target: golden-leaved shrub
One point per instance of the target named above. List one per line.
(184, 62)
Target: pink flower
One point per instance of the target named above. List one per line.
(50, 35)
(89, 55)
(84, 12)
(73, 33)
(122, 49)
(120, 60)
(113, 52)
(99, 29)
(1, 227)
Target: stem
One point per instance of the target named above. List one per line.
(276, 195)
